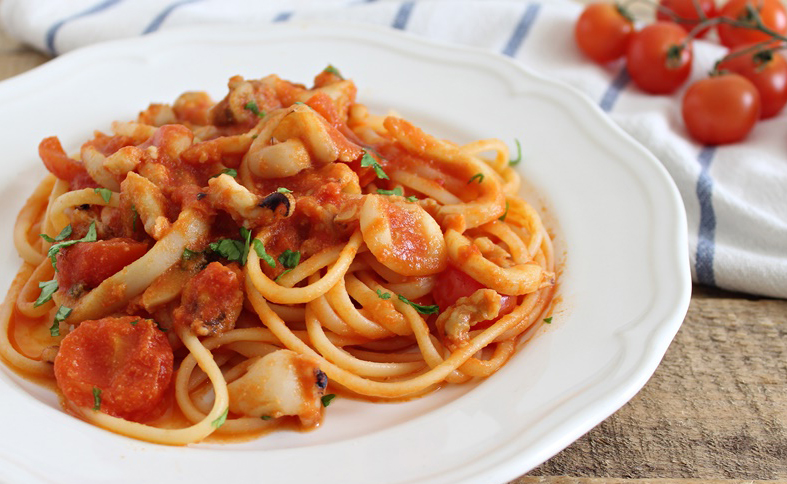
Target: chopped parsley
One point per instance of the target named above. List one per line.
(502, 218)
(369, 160)
(221, 419)
(548, 320)
(134, 323)
(383, 295)
(233, 249)
(283, 190)
(411, 198)
(266, 417)
(396, 191)
(63, 235)
(252, 106)
(259, 248)
(332, 70)
(477, 176)
(188, 254)
(227, 171)
(289, 259)
(55, 249)
(96, 398)
(326, 399)
(105, 193)
(61, 315)
(134, 218)
(433, 309)
(47, 289)
(518, 158)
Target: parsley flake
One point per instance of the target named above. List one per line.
(63, 235)
(433, 309)
(134, 323)
(332, 70)
(221, 419)
(518, 158)
(411, 198)
(396, 191)
(383, 295)
(134, 218)
(232, 249)
(105, 193)
(266, 417)
(96, 398)
(252, 106)
(259, 248)
(283, 190)
(502, 218)
(548, 320)
(289, 259)
(61, 315)
(477, 176)
(369, 160)
(227, 171)
(326, 399)
(188, 254)
(55, 249)
(47, 289)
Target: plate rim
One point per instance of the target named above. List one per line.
(662, 333)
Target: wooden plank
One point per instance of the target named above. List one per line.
(716, 408)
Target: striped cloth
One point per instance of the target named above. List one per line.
(734, 195)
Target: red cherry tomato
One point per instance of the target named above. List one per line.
(772, 14)
(121, 366)
(686, 12)
(767, 70)
(656, 60)
(721, 109)
(90, 263)
(453, 283)
(603, 32)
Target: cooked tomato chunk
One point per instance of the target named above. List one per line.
(211, 300)
(119, 365)
(59, 164)
(90, 263)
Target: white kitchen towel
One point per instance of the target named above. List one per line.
(735, 195)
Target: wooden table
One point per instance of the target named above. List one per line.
(716, 408)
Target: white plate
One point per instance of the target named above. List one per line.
(621, 234)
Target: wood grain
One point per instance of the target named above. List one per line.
(715, 410)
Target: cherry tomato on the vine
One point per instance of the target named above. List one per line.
(721, 109)
(657, 60)
(773, 15)
(685, 13)
(766, 69)
(603, 32)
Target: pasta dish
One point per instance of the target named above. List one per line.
(230, 267)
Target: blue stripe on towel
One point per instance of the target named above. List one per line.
(282, 17)
(159, 19)
(403, 15)
(51, 33)
(706, 244)
(522, 29)
(614, 90)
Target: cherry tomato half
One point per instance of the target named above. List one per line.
(121, 366)
(656, 60)
(603, 32)
(767, 70)
(772, 14)
(721, 109)
(685, 13)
